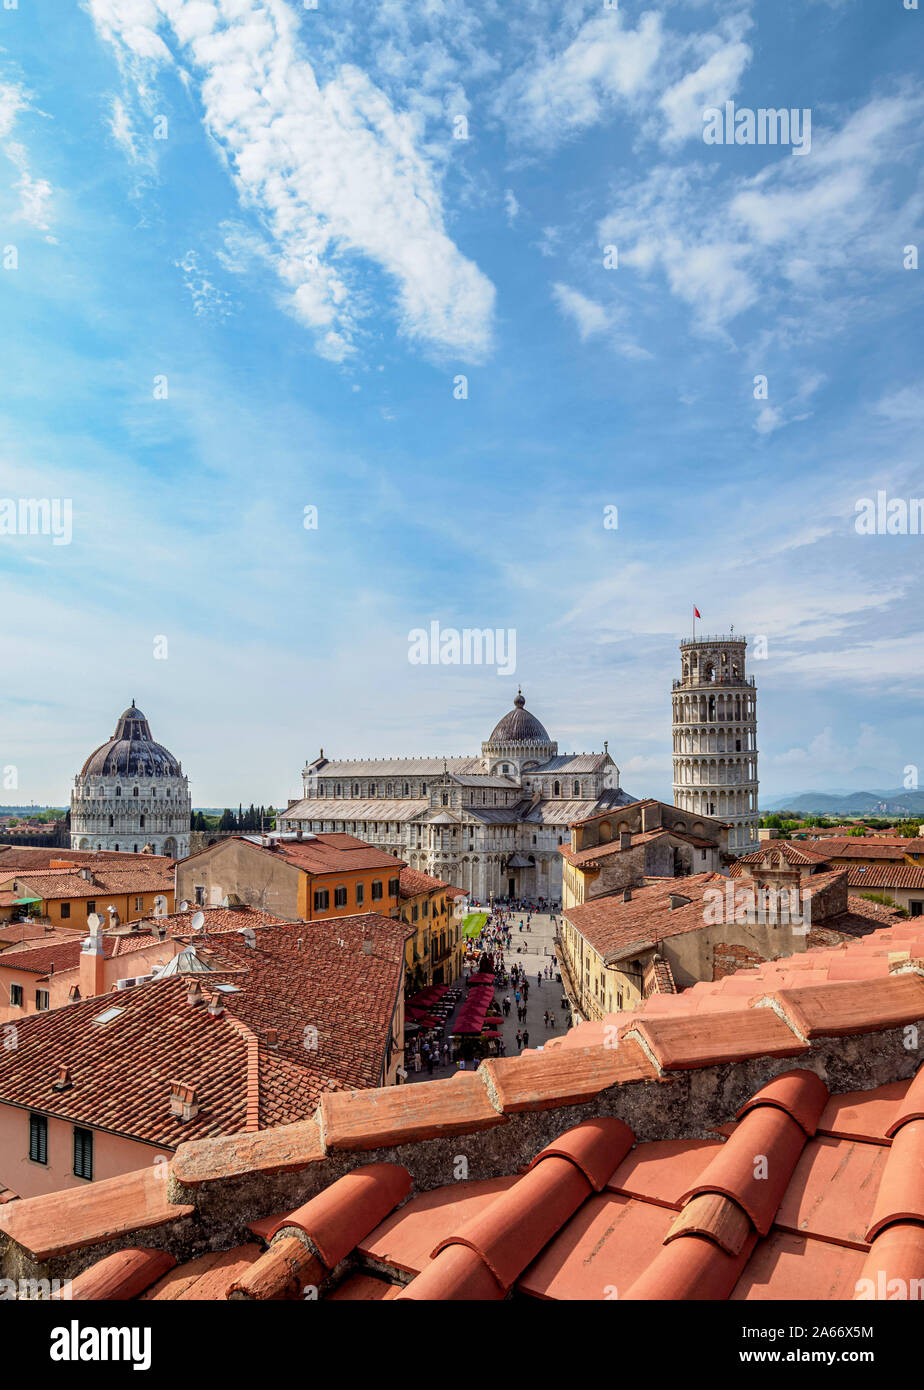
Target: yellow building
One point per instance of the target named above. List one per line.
(434, 952)
(66, 896)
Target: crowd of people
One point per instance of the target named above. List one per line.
(493, 950)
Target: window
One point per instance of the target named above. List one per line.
(376, 889)
(199, 891)
(141, 822)
(38, 1138)
(414, 913)
(139, 904)
(118, 791)
(372, 790)
(91, 905)
(41, 1000)
(83, 1153)
(321, 900)
(916, 907)
(426, 908)
(392, 887)
(65, 911)
(111, 822)
(360, 894)
(16, 996)
(340, 897)
(135, 791)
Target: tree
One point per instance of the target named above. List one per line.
(227, 820)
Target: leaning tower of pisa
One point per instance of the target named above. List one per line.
(715, 736)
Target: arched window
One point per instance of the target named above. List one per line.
(407, 789)
(135, 791)
(577, 788)
(118, 791)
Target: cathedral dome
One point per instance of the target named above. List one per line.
(131, 752)
(519, 726)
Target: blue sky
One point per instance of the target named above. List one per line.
(311, 258)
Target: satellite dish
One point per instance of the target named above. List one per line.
(93, 921)
(184, 906)
(198, 921)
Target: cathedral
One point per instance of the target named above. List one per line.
(490, 824)
(131, 793)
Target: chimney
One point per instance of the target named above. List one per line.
(86, 874)
(625, 839)
(627, 895)
(250, 937)
(194, 995)
(216, 1007)
(63, 1082)
(271, 1037)
(300, 943)
(184, 1103)
(92, 978)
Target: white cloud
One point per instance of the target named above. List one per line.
(722, 245)
(768, 419)
(209, 301)
(588, 316)
(335, 171)
(572, 89)
(35, 194)
(511, 206)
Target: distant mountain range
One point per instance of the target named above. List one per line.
(874, 803)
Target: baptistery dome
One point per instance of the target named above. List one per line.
(131, 794)
(132, 751)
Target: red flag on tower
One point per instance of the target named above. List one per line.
(696, 612)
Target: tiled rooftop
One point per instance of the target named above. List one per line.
(622, 1169)
(243, 1052)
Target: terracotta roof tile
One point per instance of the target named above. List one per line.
(283, 1271)
(364, 1288)
(539, 1080)
(596, 1148)
(662, 1171)
(833, 1190)
(406, 1114)
(862, 1006)
(406, 1239)
(604, 1248)
(207, 1277)
(911, 1105)
(681, 1043)
(755, 1164)
(863, 1115)
(710, 1214)
(901, 1191)
(796, 1268)
(123, 1275)
(802, 1094)
(691, 1268)
(509, 1233)
(894, 1266)
(283, 1150)
(87, 1216)
(340, 1216)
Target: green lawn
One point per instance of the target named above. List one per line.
(473, 923)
